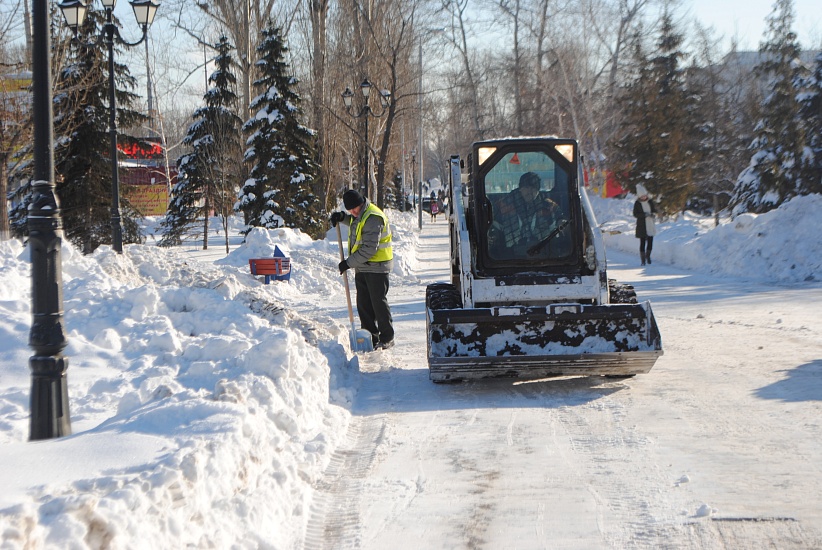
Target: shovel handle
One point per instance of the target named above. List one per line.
(345, 280)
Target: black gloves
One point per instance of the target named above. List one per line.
(336, 217)
(343, 267)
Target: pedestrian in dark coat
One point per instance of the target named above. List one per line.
(644, 211)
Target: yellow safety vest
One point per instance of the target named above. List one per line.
(384, 250)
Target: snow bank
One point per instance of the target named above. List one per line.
(779, 246)
(202, 407)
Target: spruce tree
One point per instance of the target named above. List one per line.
(280, 149)
(657, 145)
(773, 175)
(810, 112)
(724, 125)
(207, 175)
(82, 143)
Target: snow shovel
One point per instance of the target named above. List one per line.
(360, 339)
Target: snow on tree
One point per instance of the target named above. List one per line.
(810, 110)
(774, 173)
(82, 144)
(280, 149)
(725, 122)
(207, 174)
(657, 144)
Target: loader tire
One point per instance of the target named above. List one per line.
(621, 293)
(449, 381)
(442, 296)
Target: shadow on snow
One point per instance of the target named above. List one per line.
(410, 390)
(804, 383)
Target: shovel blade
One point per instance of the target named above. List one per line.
(361, 341)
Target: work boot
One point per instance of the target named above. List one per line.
(385, 345)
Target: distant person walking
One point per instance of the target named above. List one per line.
(441, 202)
(644, 211)
(372, 258)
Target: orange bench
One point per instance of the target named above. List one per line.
(278, 268)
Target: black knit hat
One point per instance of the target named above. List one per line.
(529, 179)
(352, 199)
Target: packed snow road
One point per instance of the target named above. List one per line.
(718, 447)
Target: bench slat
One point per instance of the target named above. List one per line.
(269, 267)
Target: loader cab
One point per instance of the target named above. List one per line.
(526, 207)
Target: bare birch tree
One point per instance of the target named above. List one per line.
(459, 31)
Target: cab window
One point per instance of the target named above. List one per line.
(527, 202)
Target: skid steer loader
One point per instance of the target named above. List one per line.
(529, 296)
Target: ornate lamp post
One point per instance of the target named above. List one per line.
(74, 12)
(49, 386)
(348, 99)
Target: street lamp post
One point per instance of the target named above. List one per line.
(413, 167)
(49, 385)
(422, 151)
(402, 176)
(421, 144)
(366, 111)
(74, 12)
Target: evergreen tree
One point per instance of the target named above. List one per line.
(280, 149)
(657, 145)
(82, 143)
(725, 126)
(810, 111)
(773, 175)
(206, 174)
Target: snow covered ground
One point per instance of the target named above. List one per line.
(210, 410)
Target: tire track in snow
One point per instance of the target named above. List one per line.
(623, 484)
(335, 513)
(634, 509)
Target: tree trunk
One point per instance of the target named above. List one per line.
(4, 204)
(319, 36)
(205, 222)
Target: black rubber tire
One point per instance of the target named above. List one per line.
(442, 296)
(449, 381)
(621, 293)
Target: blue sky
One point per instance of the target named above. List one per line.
(745, 19)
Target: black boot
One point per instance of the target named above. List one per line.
(648, 257)
(642, 257)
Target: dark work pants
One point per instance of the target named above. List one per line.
(372, 305)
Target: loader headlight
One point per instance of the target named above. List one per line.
(591, 258)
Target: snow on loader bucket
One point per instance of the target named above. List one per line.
(538, 342)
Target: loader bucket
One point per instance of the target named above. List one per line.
(537, 342)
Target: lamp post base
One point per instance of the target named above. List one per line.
(49, 398)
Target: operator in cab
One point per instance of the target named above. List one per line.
(522, 219)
